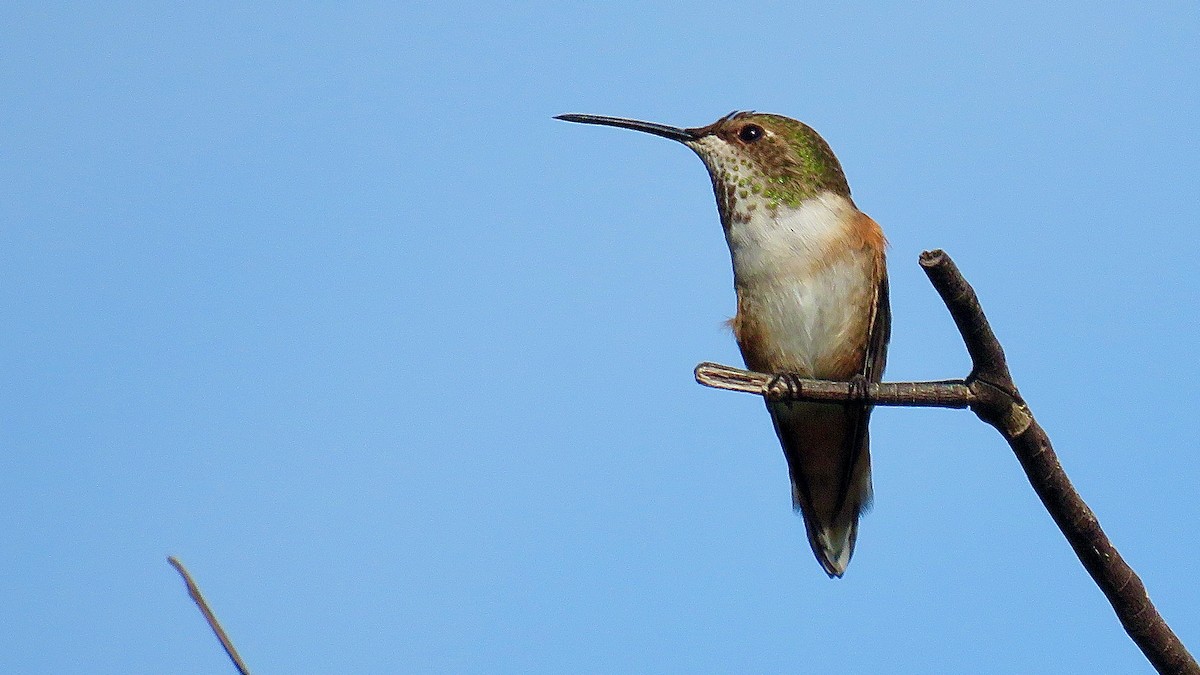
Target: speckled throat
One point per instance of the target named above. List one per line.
(786, 165)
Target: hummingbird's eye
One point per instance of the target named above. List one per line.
(750, 133)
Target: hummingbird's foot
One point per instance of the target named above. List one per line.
(783, 387)
(859, 388)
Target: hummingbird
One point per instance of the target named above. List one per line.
(810, 275)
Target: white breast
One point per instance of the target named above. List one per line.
(809, 297)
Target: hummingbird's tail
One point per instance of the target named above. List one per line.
(833, 544)
(828, 456)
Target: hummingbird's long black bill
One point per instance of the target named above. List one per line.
(673, 133)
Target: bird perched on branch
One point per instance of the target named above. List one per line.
(812, 300)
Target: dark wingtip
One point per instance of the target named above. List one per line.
(828, 567)
(832, 571)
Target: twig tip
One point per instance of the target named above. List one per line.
(932, 258)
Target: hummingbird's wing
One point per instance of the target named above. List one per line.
(856, 454)
(881, 330)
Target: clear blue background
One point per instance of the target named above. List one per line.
(323, 301)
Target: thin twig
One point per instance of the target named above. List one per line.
(194, 591)
(991, 394)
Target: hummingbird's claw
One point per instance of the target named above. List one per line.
(859, 388)
(783, 387)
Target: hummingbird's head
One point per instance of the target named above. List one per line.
(752, 156)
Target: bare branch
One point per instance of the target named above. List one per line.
(943, 394)
(198, 598)
(990, 393)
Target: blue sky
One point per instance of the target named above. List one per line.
(321, 300)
